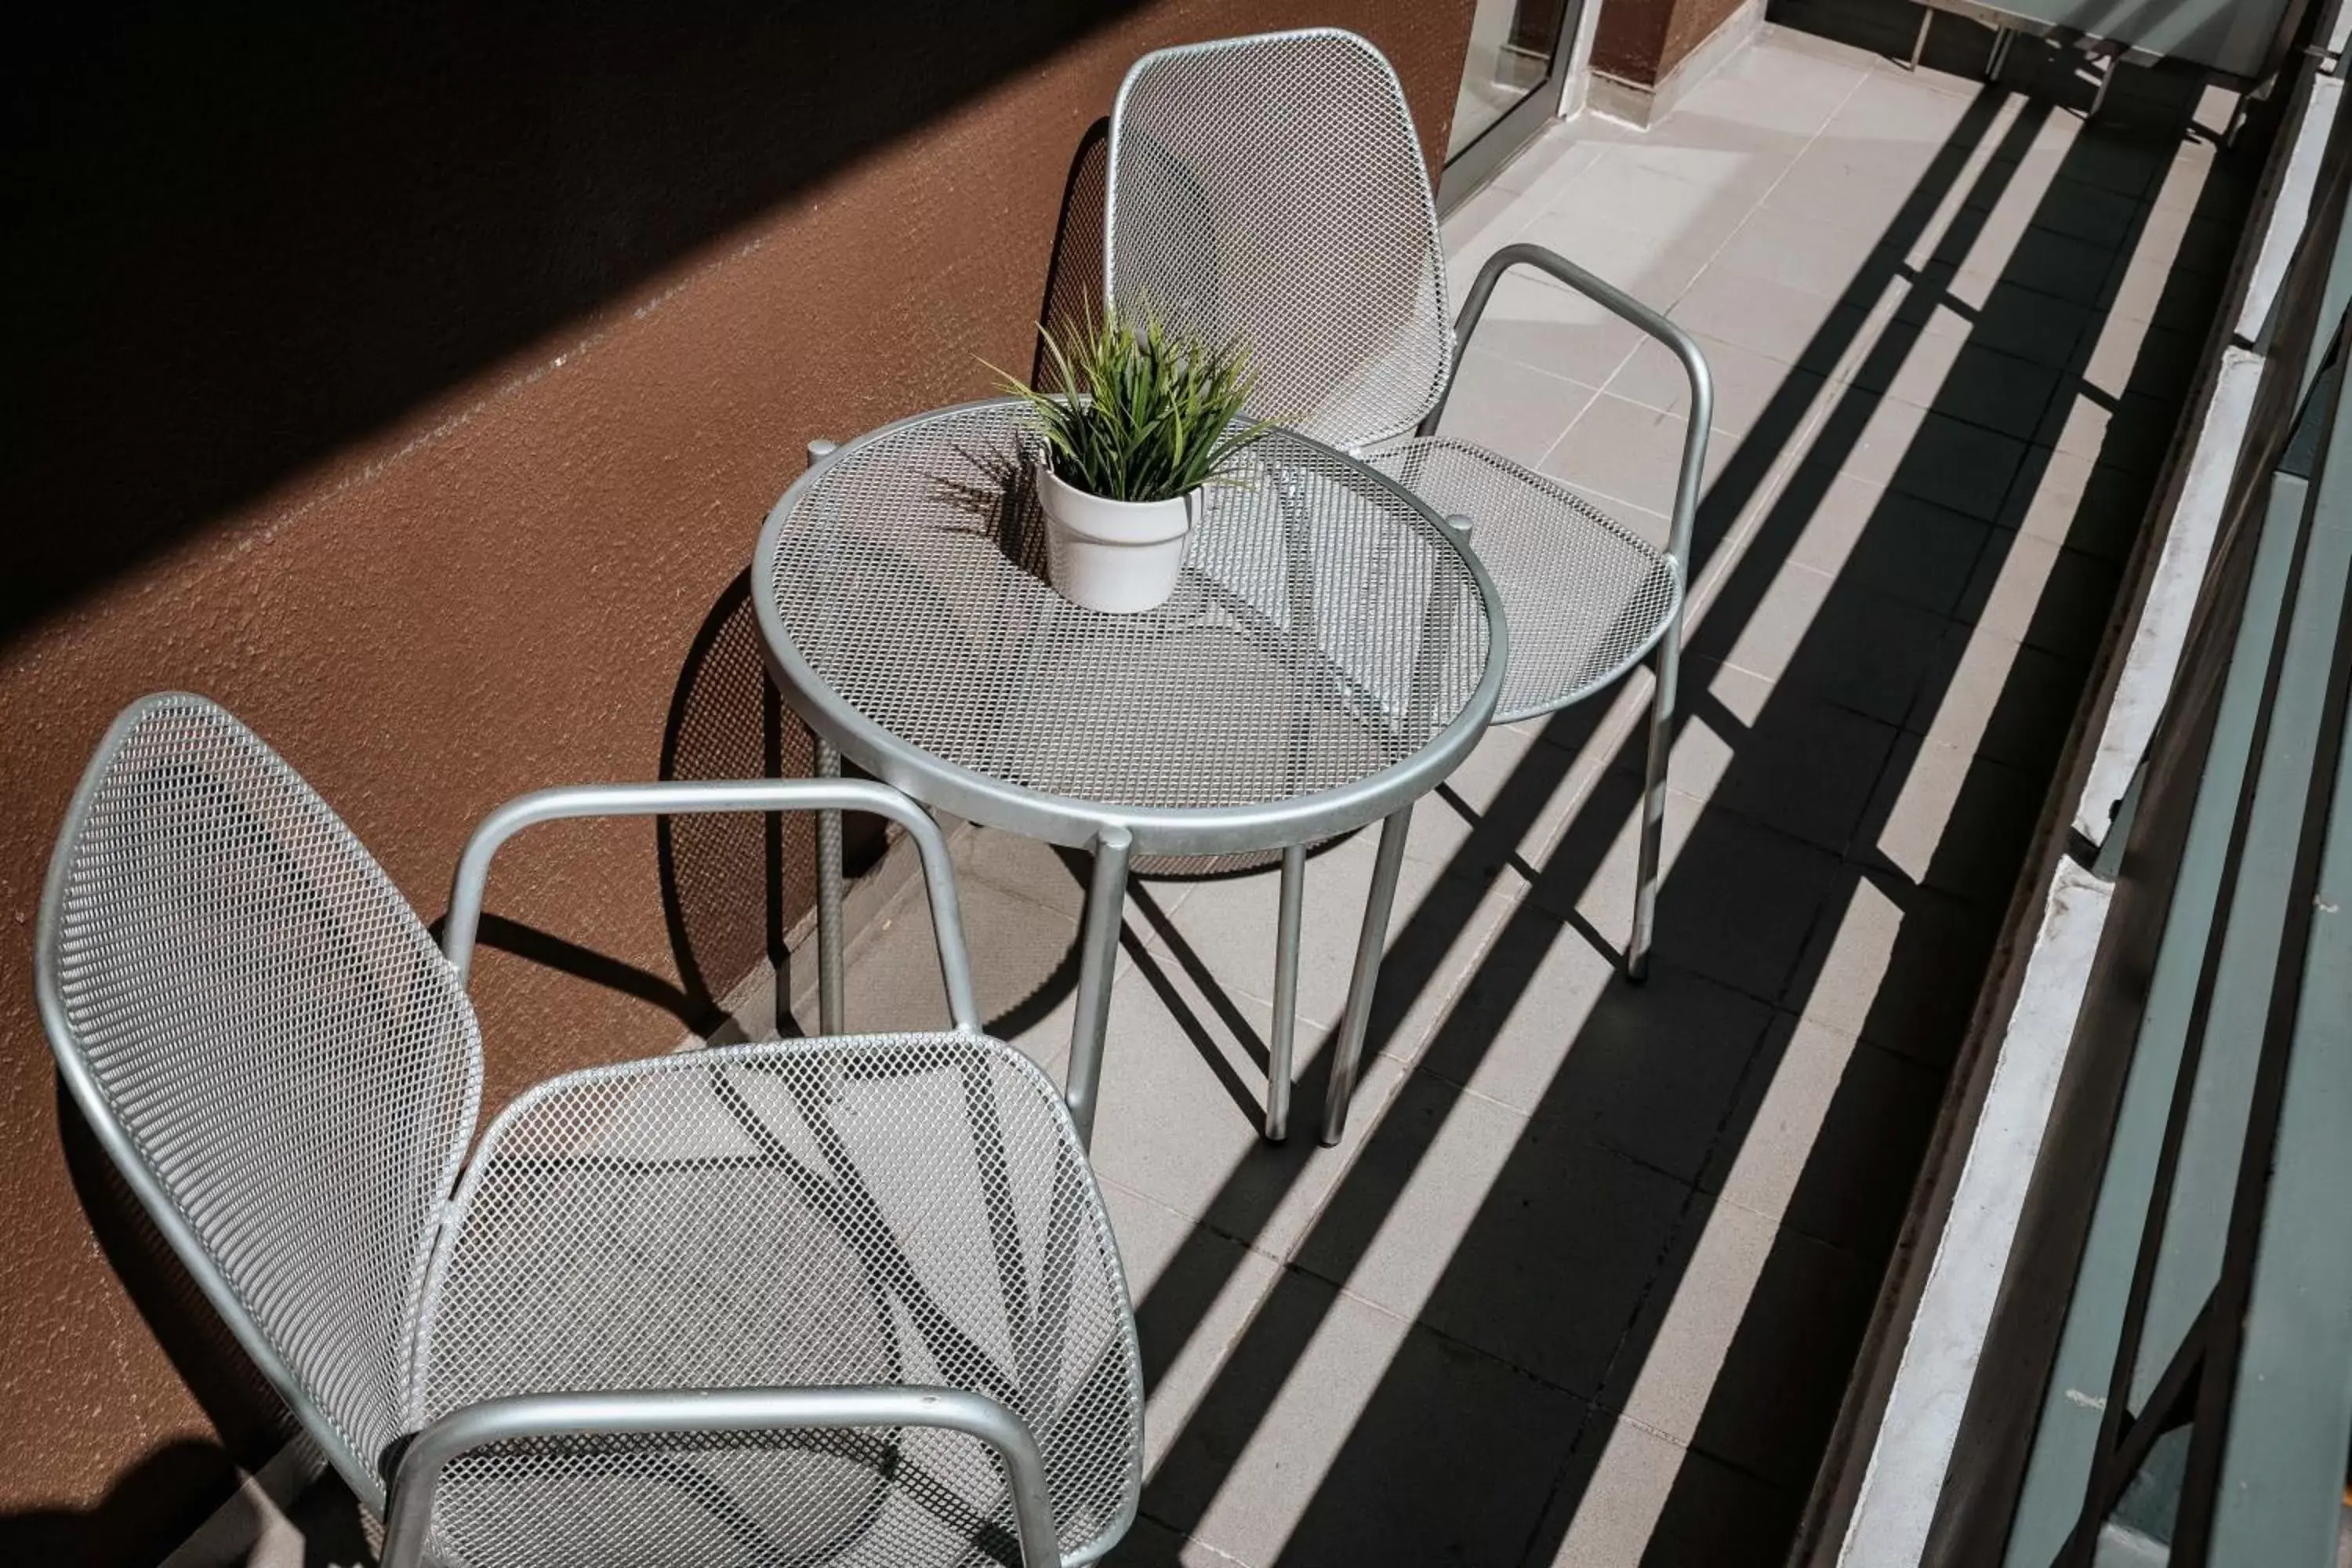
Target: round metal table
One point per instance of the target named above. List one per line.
(1332, 652)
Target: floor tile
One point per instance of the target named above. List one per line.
(1532, 1218)
(1950, 303)
(1181, 1103)
(1811, 258)
(1511, 408)
(1555, 155)
(2003, 699)
(1789, 325)
(2046, 262)
(1620, 450)
(1730, 160)
(1886, 205)
(1954, 822)
(1150, 1544)
(1831, 1138)
(1628, 193)
(1540, 324)
(1338, 1434)
(2133, 357)
(1774, 91)
(1965, 381)
(2129, 431)
(2066, 499)
(2043, 595)
(1742, 1350)
(1897, 965)
(1631, 1496)
(1909, 550)
(1835, 639)
(1550, 1027)
(1027, 867)
(1195, 1291)
(1224, 932)
(1654, 267)
(1886, 110)
(1778, 755)
(1512, 791)
(1752, 391)
(1023, 954)
(1736, 901)
(1933, 456)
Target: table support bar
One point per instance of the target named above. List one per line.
(1097, 962)
(831, 1003)
(1348, 1053)
(1666, 663)
(1286, 994)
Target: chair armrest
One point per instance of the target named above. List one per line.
(1623, 305)
(408, 1518)
(687, 797)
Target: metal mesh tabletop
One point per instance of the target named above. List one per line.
(1325, 628)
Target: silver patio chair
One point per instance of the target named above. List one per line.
(1272, 189)
(846, 1300)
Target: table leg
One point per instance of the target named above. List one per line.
(830, 1005)
(1347, 1055)
(1286, 994)
(1665, 662)
(1097, 962)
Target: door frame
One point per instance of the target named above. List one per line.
(1469, 170)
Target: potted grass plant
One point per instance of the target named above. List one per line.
(1147, 417)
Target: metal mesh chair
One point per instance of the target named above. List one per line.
(845, 1301)
(1271, 189)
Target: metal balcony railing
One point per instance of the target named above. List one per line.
(2197, 1407)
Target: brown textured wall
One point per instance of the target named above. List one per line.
(1641, 41)
(431, 449)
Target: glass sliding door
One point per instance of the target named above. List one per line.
(1511, 87)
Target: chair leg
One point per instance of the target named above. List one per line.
(1286, 994)
(830, 1003)
(1666, 663)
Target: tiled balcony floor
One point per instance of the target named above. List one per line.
(1585, 1280)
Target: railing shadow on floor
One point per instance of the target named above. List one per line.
(1785, 1371)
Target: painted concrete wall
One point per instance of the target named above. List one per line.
(415, 384)
(1641, 41)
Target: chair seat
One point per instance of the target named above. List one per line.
(1583, 594)
(849, 1211)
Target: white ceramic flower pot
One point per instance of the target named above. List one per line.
(1121, 557)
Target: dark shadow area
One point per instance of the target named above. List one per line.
(733, 885)
(125, 1525)
(1555, 1291)
(153, 1506)
(1074, 275)
(246, 240)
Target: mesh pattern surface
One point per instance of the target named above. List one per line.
(1324, 628)
(894, 1209)
(1272, 190)
(1584, 595)
(278, 1037)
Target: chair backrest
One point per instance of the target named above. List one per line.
(269, 1045)
(1271, 190)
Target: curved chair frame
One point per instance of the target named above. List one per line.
(407, 1505)
(1662, 649)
